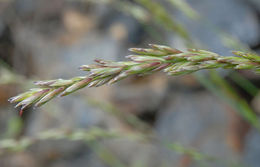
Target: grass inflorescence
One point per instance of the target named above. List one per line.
(145, 61)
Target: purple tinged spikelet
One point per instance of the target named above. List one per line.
(93, 83)
(76, 86)
(166, 49)
(44, 83)
(103, 81)
(119, 77)
(147, 51)
(139, 58)
(19, 97)
(32, 99)
(244, 66)
(112, 71)
(103, 62)
(90, 67)
(23, 96)
(50, 95)
(141, 68)
(61, 82)
(252, 56)
(150, 66)
(161, 67)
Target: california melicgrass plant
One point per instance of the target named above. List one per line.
(92, 134)
(146, 61)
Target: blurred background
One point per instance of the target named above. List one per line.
(210, 118)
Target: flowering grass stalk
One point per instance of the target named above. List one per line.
(92, 134)
(145, 61)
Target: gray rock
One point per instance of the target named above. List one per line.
(136, 153)
(2, 26)
(252, 149)
(53, 59)
(255, 3)
(196, 120)
(141, 94)
(235, 17)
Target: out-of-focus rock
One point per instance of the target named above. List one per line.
(76, 25)
(238, 130)
(53, 153)
(7, 46)
(252, 149)
(18, 160)
(6, 91)
(255, 3)
(196, 120)
(40, 9)
(70, 113)
(134, 153)
(234, 17)
(256, 103)
(62, 60)
(1, 26)
(119, 31)
(140, 95)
